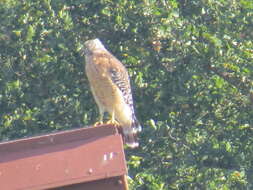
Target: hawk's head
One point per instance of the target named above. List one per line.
(92, 45)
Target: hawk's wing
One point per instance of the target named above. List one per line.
(121, 79)
(118, 74)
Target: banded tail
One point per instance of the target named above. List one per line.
(130, 133)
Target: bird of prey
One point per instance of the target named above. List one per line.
(110, 86)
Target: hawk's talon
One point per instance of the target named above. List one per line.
(113, 122)
(98, 123)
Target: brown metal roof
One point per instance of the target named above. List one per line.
(82, 156)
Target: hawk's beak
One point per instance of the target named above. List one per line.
(82, 50)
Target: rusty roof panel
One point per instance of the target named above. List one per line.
(57, 138)
(61, 159)
(114, 183)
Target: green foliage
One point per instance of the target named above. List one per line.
(192, 75)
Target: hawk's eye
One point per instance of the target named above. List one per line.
(113, 72)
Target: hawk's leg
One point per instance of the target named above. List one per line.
(101, 117)
(112, 120)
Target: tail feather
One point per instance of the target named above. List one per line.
(130, 133)
(131, 140)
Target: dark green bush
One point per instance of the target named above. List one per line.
(191, 64)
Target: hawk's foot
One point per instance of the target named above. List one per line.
(113, 122)
(98, 123)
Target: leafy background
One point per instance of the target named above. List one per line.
(191, 65)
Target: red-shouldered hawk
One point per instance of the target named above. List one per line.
(110, 86)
